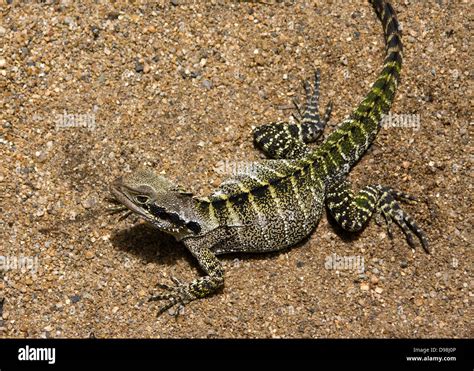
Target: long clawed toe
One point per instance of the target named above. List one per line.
(298, 116)
(401, 196)
(392, 211)
(173, 295)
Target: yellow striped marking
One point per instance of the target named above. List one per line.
(297, 195)
(232, 214)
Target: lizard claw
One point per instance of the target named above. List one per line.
(402, 196)
(173, 295)
(379, 219)
(176, 281)
(391, 210)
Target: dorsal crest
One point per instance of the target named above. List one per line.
(254, 175)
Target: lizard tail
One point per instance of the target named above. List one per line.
(380, 97)
(346, 145)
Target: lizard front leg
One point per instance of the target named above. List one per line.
(183, 293)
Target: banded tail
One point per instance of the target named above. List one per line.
(344, 147)
(380, 97)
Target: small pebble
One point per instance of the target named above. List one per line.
(207, 83)
(40, 212)
(139, 67)
(89, 202)
(75, 298)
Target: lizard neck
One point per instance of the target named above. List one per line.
(201, 212)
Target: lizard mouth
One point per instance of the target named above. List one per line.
(124, 206)
(123, 203)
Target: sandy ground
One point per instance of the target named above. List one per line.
(90, 92)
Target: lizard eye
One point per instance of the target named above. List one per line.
(141, 199)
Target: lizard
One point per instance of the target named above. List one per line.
(277, 202)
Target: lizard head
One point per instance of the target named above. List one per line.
(159, 201)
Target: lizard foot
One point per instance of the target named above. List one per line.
(389, 207)
(178, 295)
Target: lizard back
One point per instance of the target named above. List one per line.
(266, 208)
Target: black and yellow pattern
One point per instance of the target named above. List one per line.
(278, 202)
(285, 140)
(352, 212)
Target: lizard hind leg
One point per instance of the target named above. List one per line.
(287, 140)
(312, 126)
(278, 141)
(352, 212)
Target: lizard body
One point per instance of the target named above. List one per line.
(276, 203)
